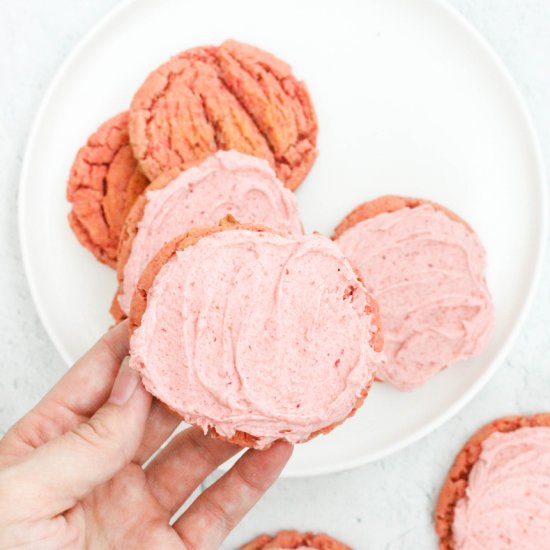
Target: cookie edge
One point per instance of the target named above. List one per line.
(318, 541)
(386, 204)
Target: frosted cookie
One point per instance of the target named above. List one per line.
(254, 336)
(225, 183)
(286, 540)
(103, 184)
(426, 268)
(496, 493)
(233, 96)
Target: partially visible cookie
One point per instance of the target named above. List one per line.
(426, 266)
(233, 96)
(253, 336)
(102, 186)
(225, 183)
(286, 540)
(496, 493)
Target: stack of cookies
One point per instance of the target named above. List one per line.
(240, 323)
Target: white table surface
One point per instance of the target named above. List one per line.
(385, 505)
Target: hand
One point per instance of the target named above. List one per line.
(71, 473)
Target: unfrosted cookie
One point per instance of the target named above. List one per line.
(103, 184)
(227, 182)
(426, 267)
(496, 493)
(234, 96)
(286, 540)
(254, 336)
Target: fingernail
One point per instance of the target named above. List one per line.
(125, 384)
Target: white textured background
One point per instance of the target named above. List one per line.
(386, 505)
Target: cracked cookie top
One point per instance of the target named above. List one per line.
(234, 96)
(103, 184)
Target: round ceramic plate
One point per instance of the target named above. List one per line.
(410, 101)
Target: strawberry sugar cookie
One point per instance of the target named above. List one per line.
(287, 540)
(234, 96)
(253, 336)
(228, 182)
(496, 493)
(426, 268)
(103, 184)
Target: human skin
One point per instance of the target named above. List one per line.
(72, 474)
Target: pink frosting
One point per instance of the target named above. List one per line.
(257, 332)
(427, 273)
(507, 502)
(228, 182)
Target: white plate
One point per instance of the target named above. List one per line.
(410, 101)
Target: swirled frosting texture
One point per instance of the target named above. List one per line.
(427, 273)
(259, 333)
(228, 182)
(507, 502)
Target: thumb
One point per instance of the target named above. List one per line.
(67, 468)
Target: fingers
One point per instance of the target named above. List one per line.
(94, 372)
(158, 428)
(75, 397)
(55, 476)
(185, 462)
(214, 514)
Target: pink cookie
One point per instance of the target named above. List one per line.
(287, 540)
(233, 96)
(228, 182)
(426, 267)
(254, 336)
(103, 184)
(496, 493)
